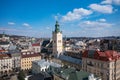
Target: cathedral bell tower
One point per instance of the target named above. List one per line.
(57, 39)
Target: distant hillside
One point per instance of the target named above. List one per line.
(78, 38)
(81, 38)
(12, 36)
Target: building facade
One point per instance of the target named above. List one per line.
(16, 58)
(104, 64)
(27, 58)
(57, 40)
(5, 64)
(36, 47)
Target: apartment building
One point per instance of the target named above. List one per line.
(104, 64)
(16, 58)
(27, 58)
(36, 47)
(5, 63)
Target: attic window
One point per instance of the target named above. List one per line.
(28, 52)
(31, 52)
(24, 53)
(59, 41)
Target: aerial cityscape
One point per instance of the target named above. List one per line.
(59, 39)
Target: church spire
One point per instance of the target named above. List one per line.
(57, 39)
(3, 34)
(57, 27)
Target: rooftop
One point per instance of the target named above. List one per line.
(45, 42)
(4, 56)
(69, 59)
(72, 74)
(108, 55)
(29, 54)
(36, 44)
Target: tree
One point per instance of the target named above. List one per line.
(21, 75)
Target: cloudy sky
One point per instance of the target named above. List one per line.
(77, 18)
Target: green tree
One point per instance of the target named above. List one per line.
(21, 75)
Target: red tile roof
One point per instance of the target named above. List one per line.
(104, 56)
(36, 44)
(4, 56)
(2, 50)
(25, 55)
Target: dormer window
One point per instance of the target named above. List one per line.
(24, 53)
(32, 53)
(28, 52)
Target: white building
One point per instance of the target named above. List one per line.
(4, 37)
(5, 63)
(57, 40)
(42, 65)
(36, 47)
(5, 45)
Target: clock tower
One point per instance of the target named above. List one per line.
(57, 39)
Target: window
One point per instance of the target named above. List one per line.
(37, 49)
(59, 41)
(108, 65)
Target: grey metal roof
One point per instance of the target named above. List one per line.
(70, 59)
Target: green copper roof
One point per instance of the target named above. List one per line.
(57, 27)
(72, 74)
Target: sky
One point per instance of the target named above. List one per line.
(77, 18)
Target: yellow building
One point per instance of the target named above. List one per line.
(27, 58)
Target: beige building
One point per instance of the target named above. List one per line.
(27, 58)
(5, 63)
(57, 40)
(36, 47)
(104, 64)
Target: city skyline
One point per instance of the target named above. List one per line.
(93, 18)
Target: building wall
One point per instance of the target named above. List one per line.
(104, 69)
(16, 62)
(5, 65)
(26, 63)
(57, 42)
(5, 46)
(57, 61)
(77, 66)
(36, 49)
(117, 69)
(16, 58)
